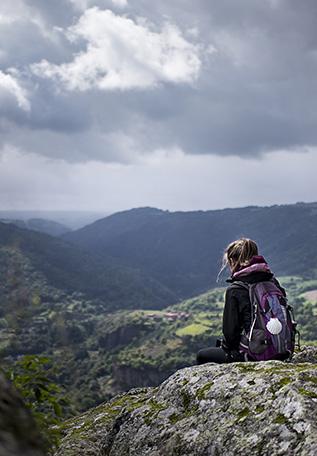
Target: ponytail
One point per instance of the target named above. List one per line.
(238, 254)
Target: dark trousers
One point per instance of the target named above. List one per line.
(218, 355)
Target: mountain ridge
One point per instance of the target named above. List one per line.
(183, 250)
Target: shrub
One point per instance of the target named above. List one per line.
(33, 376)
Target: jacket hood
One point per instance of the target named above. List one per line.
(256, 264)
(257, 259)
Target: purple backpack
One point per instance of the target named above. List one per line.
(273, 329)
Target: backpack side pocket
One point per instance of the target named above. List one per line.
(258, 342)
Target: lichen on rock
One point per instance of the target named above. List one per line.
(264, 408)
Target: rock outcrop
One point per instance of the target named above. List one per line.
(266, 408)
(18, 432)
(125, 376)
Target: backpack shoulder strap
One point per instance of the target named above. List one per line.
(239, 284)
(250, 288)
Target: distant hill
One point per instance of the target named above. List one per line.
(69, 268)
(41, 225)
(183, 250)
(72, 219)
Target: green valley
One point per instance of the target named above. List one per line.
(101, 353)
(134, 312)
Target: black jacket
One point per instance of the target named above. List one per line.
(237, 309)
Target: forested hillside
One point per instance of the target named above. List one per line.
(183, 249)
(25, 254)
(99, 354)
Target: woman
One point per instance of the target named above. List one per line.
(248, 266)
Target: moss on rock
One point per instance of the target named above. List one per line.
(206, 409)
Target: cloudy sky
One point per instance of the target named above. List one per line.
(179, 104)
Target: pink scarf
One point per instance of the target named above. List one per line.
(257, 263)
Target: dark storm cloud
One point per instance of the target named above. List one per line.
(255, 94)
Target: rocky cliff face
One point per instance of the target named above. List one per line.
(121, 336)
(18, 433)
(125, 376)
(266, 408)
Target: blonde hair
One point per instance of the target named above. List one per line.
(238, 253)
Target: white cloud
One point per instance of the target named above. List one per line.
(124, 54)
(5, 19)
(9, 86)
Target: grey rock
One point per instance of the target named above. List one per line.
(305, 355)
(18, 432)
(265, 408)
